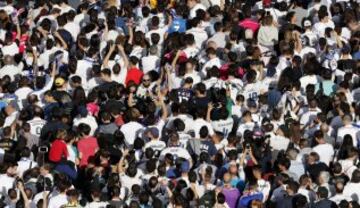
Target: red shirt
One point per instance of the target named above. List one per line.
(250, 24)
(134, 74)
(58, 150)
(87, 147)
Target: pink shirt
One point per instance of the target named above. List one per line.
(250, 24)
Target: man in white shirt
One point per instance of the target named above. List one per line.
(308, 117)
(324, 22)
(152, 61)
(323, 149)
(348, 128)
(194, 5)
(9, 69)
(60, 199)
(96, 202)
(84, 66)
(72, 27)
(133, 128)
(8, 179)
(10, 48)
(155, 28)
(25, 162)
(247, 124)
(213, 60)
(155, 143)
(174, 148)
(352, 188)
(198, 32)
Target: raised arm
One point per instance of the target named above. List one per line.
(121, 163)
(20, 186)
(164, 110)
(62, 41)
(107, 57)
(123, 55)
(176, 58)
(131, 33)
(208, 114)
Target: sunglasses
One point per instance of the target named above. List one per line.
(146, 80)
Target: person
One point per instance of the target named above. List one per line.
(249, 195)
(323, 201)
(87, 145)
(350, 189)
(196, 103)
(60, 199)
(323, 149)
(58, 150)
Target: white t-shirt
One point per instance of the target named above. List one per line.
(10, 50)
(25, 164)
(243, 127)
(83, 69)
(131, 130)
(252, 91)
(325, 151)
(198, 124)
(58, 201)
(176, 152)
(128, 182)
(195, 8)
(352, 190)
(10, 70)
(149, 63)
(224, 126)
(209, 64)
(348, 129)
(309, 79)
(97, 204)
(89, 120)
(156, 145)
(6, 184)
(160, 31)
(320, 27)
(200, 36)
(279, 142)
(308, 117)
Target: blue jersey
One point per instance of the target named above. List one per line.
(178, 25)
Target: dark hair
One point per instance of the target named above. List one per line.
(323, 192)
(84, 129)
(355, 177)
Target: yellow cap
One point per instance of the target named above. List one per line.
(59, 81)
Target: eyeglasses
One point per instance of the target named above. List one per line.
(146, 80)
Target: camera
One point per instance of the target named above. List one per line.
(43, 149)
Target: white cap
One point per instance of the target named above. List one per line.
(307, 23)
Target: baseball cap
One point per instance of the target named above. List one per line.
(153, 131)
(307, 23)
(59, 81)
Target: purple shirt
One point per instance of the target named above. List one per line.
(231, 196)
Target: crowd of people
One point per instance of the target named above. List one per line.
(179, 103)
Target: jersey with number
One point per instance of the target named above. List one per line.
(184, 95)
(36, 124)
(176, 152)
(223, 126)
(252, 91)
